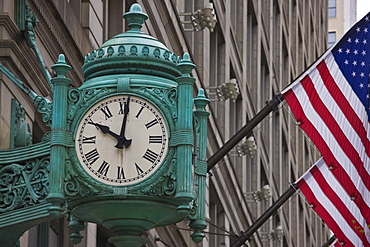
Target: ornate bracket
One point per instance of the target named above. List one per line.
(20, 133)
(23, 185)
(29, 34)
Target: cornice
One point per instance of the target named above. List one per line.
(20, 57)
(56, 38)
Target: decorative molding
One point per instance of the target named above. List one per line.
(165, 185)
(44, 107)
(80, 100)
(18, 155)
(142, 51)
(181, 137)
(29, 26)
(75, 183)
(20, 133)
(166, 97)
(24, 185)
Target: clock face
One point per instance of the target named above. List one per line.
(121, 140)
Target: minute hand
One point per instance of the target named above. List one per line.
(122, 141)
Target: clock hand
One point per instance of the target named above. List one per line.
(122, 139)
(105, 129)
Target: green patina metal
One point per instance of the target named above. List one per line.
(198, 214)
(133, 64)
(24, 185)
(20, 13)
(20, 133)
(59, 137)
(185, 127)
(27, 26)
(132, 52)
(42, 104)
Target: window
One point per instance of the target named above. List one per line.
(332, 11)
(331, 38)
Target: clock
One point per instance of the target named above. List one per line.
(121, 140)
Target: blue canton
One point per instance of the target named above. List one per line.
(352, 54)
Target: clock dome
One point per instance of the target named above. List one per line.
(132, 52)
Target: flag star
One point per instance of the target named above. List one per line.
(365, 29)
(358, 29)
(364, 42)
(366, 18)
(355, 52)
(347, 51)
(362, 74)
(363, 52)
(353, 73)
(356, 41)
(349, 40)
(354, 63)
(346, 63)
(361, 85)
(362, 63)
(340, 50)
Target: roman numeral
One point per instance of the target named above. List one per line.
(106, 112)
(151, 123)
(138, 169)
(138, 114)
(155, 139)
(103, 169)
(150, 156)
(120, 173)
(122, 106)
(92, 123)
(92, 156)
(88, 139)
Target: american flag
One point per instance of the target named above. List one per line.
(329, 200)
(330, 101)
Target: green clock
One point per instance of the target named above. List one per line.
(121, 140)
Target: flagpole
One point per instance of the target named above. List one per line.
(17, 82)
(262, 219)
(246, 131)
(330, 241)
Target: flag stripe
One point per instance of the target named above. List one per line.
(333, 128)
(339, 171)
(334, 193)
(354, 110)
(329, 200)
(320, 209)
(347, 119)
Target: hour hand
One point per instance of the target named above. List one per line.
(105, 129)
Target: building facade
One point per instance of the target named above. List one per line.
(342, 15)
(262, 44)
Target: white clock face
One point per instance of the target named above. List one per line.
(122, 140)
